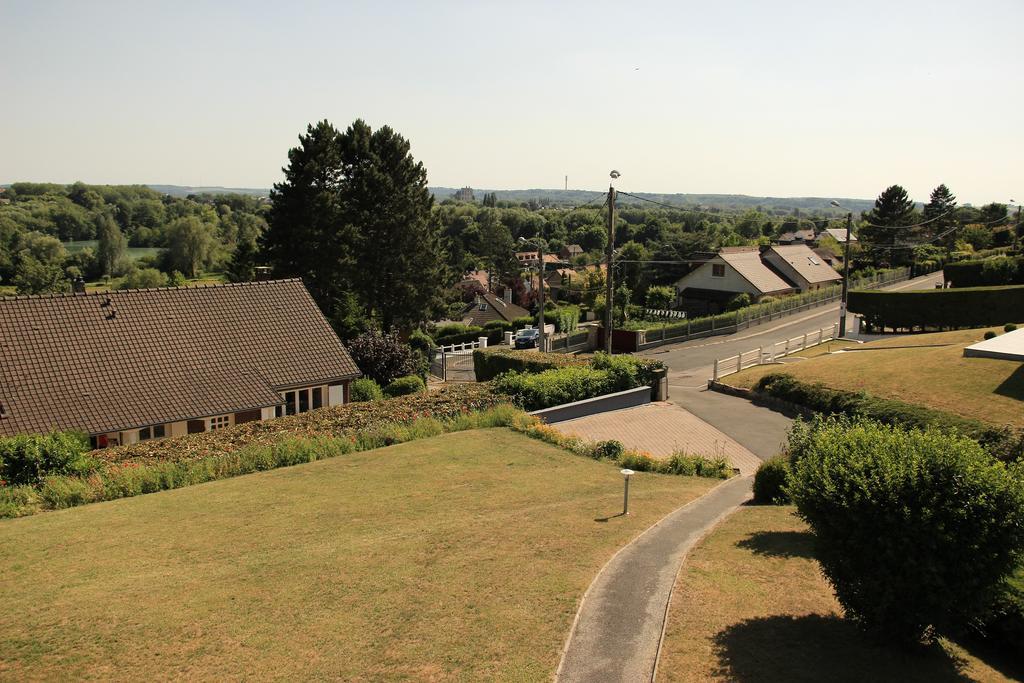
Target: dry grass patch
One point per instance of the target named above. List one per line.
(932, 372)
(460, 557)
(751, 604)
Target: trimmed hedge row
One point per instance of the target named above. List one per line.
(1000, 270)
(940, 308)
(1002, 442)
(490, 362)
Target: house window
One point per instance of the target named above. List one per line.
(717, 270)
(289, 403)
(156, 432)
(220, 422)
(483, 307)
(318, 398)
(303, 400)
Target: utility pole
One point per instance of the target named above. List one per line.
(609, 277)
(542, 334)
(846, 276)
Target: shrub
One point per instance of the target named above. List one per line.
(1002, 442)
(534, 391)
(447, 335)
(610, 450)
(641, 371)
(142, 278)
(770, 482)
(403, 386)
(916, 530)
(489, 363)
(1004, 624)
(990, 334)
(939, 308)
(1009, 327)
(383, 357)
(421, 342)
(28, 458)
(364, 389)
(1001, 270)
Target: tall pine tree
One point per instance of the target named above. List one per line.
(892, 209)
(941, 211)
(353, 218)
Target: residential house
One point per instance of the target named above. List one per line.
(531, 258)
(488, 307)
(801, 266)
(571, 250)
(733, 271)
(132, 365)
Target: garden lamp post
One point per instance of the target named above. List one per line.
(846, 269)
(541, 332)
(626, 474)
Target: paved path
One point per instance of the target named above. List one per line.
(620, 621)
(662, 429)
(760, 430)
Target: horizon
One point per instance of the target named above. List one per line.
(681, 99)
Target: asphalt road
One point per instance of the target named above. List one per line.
(687, 358)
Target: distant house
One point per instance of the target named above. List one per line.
(571, 250)
(464, 194)
(838, 234)
(801, 266)
(487, 307)
(798, 237)
(481, 277)
(528, 258)
(132, 365)
(733, 271)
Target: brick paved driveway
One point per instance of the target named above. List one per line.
(661, 428)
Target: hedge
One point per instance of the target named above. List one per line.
(403, 386)
(1000, 270)
(940, 308)
(490, 362)
(1002, 442)
(471, 334)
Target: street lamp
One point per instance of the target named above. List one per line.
(626, 474)
(539, 243)
(846, 268)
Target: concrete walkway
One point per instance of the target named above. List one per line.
(661, 429)
(619, 625)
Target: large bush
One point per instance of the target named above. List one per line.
(490, 362)
(1002, 442)
(940, 308)
(383, 357)
(29, 458)
(1000, 270)
(364, 389)
(916, 530)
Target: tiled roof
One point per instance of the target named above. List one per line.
(749, 265)
(497, 309)
(806, 263)
(109, 361)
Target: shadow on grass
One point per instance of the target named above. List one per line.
(605, 519)
(1013, 386)
(817, 648)
(780, 544)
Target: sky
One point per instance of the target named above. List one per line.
(826, 99)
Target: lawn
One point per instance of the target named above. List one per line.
(457, 557)
(751, 604)
(929, 370)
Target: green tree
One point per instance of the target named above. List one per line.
(112, 247)
(191, 245)
(941, 211)
(893, 209)
(660, 297)
(242, 266)
(32, 276)
(142, 278)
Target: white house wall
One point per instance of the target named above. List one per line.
(703, 279)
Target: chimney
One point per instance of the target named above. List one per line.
(78, 285)
(508, 295)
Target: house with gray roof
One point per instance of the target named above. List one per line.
(730, 272)
(800, 265)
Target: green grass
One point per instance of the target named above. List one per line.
(462, 556)
(931, 372)
(134, 253)
(751, 604)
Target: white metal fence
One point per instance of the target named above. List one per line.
(772, 352)
(454, 362)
